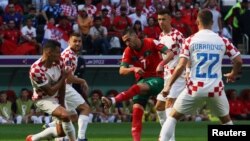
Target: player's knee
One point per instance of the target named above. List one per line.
(84, 109)
(64, 116)
(160, 106)
(169, 103)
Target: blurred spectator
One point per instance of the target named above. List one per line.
(152, 31)
(69, 10)
(6, 111)
(138, 16)
(55, 33)
(180, 24)
(90, 9)
(237, 109)
(123, 3)
(12, 33)
(95, 104)
(173, 7)
(29, 38)
(24, 107)
(245, 97)
(127, 111)
(106, 20)
(51, 10)
(137, 27)
(104, 4)
(232, 18)
(82, 26)
(13, 4)
(152, 8)
(13, 15)
(39, 4)
(217, 25)
(189, 14)
(121, 23)
(142, 5)
(99, 38)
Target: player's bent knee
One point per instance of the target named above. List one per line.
(160, 106)
(84, 109)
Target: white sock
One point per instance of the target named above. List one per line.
(48, 133)
(161, 116)
(52, 124)
(168, 110)
(83, 121)
(168, 129)
(69, 130)
(19, 119)
(229, 123)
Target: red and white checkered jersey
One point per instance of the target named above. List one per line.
(40, 75)
(173, 40)
(69, 59)
(205, 50)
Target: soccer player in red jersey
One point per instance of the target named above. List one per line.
(147, 66)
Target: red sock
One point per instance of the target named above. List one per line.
(137, 123)
(126, 95)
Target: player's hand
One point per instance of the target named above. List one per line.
(230, 77)
(66, 72)
(165, 91)
(139, 70)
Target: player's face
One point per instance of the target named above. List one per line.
(164, 21)
(75, 43)
(54, 55)
(131, 41)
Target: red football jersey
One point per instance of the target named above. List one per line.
(147, 58)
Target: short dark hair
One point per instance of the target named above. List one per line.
(75, 34)
(206, 17)
(51, 44)
(129, 31)
(164, 11)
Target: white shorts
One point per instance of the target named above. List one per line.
(47, 105)
(175, 90)
(188, 104)
(72, 99)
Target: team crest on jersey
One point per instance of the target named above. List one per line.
(147, 53)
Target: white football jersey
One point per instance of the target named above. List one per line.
(173, 40)
(40, 75)
(205, 50)
(69, 59)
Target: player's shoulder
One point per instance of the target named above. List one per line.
(37, 64)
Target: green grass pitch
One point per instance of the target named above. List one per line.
(185, 131)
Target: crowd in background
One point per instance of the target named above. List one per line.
(25, 25)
